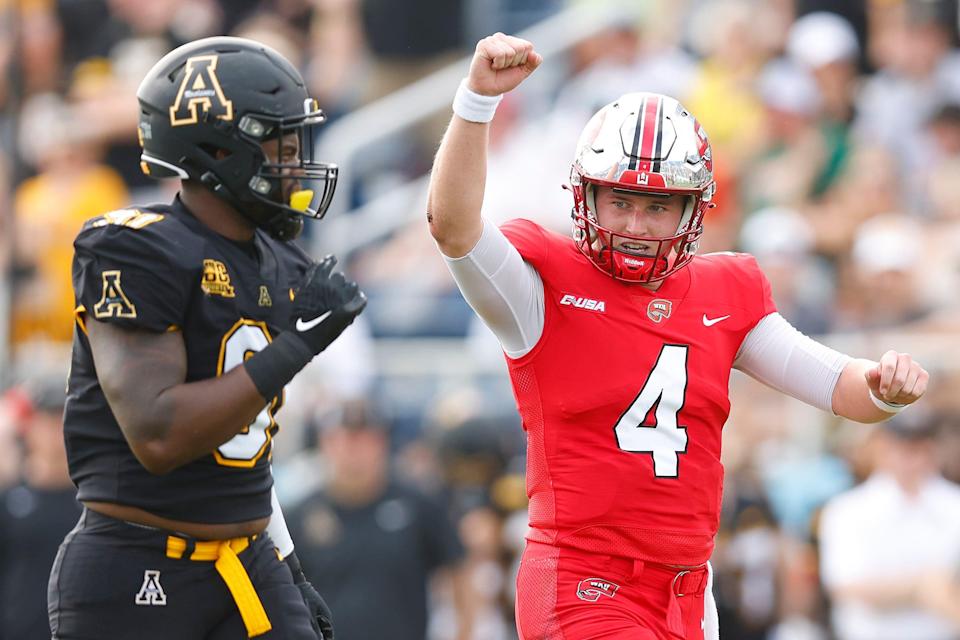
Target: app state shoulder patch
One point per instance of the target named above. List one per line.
(113, 301)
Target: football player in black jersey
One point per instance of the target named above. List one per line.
(191, 318)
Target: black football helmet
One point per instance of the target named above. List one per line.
(208, 110)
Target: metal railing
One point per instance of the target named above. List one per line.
(352, 135)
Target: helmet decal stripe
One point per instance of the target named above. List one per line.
(649, 113)
(658, 149)
(637, 135)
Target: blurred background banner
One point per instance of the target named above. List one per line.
(836, 138)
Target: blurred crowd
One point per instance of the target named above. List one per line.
(836, 136)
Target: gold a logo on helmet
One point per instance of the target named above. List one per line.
(200, 90)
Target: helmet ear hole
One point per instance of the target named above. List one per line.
(590, 198)
(216, 153)
(689, 206)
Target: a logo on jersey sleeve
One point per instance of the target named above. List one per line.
(200, 90)
(659, 310)
(590, 589)
(113, 301)
(216, 280)
(151, 593)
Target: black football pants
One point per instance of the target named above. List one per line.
(113, 580)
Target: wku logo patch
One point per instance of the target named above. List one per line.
(583, 303)
(590, 589)
(659, 310)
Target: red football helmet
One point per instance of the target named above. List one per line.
(649, 144)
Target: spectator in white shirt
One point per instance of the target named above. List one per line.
(885, 540)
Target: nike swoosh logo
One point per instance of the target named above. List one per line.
(310, 324)
(709, 322)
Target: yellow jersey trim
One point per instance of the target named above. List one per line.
(78, 316)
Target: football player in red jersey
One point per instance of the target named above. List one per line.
(620, 343)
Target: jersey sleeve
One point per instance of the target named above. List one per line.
(130, 275)
(765, 303)
(754, 288)
(529, 238)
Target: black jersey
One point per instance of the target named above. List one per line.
(158, 268)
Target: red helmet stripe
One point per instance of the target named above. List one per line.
(650, 115)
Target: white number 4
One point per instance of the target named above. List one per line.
(665, 387)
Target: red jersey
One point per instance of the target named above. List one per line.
(624, 398)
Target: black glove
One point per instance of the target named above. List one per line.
(320, 617)
(325, 303)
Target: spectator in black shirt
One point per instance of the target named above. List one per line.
(372, 542)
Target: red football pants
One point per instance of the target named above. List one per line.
(567, 594)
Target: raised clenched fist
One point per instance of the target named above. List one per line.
(500, 63)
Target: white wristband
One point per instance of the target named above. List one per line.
(886, 407)
(472, 106)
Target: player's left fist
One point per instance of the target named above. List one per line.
(324, 304)
(897, 379)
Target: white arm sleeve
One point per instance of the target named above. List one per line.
(277, 528)
(505, 291)
(778, 355)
